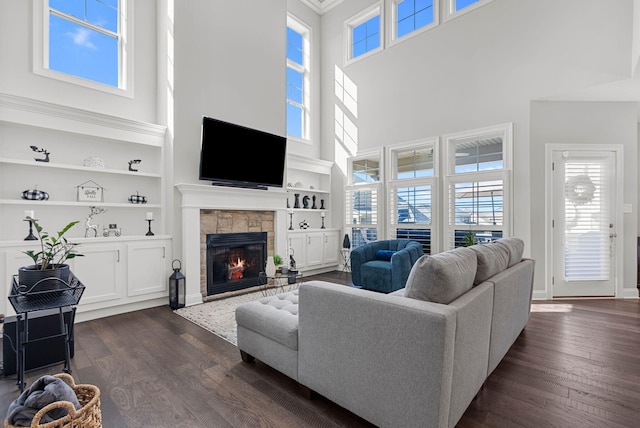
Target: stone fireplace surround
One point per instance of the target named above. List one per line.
(205, 208)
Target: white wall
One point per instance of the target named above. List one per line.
(599, 123)
(480, 69)
(17, 77)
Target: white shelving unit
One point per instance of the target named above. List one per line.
(123, 272)
(315, 249)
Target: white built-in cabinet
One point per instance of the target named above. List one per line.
(121, 272)
(314, 248)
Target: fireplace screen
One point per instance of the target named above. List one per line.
(234, 260)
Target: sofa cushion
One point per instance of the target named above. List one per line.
(384, 255)
(492, 259)
(443, 277)
(515, 246)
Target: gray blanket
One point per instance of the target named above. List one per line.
(42, 392)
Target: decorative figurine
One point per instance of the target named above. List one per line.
(303, 224)
(296, 204)
(322, 204)
(134, 162)
(313, 198)
(87, 224)
(46, 154)
(305, 201)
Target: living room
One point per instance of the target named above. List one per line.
(560, 74)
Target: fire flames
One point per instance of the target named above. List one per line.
(236, 269)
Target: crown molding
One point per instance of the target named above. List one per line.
(321, 6)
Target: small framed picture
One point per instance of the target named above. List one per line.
(90, 192)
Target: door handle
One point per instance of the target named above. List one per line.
(613, 235)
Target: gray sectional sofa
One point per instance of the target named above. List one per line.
(413, 358)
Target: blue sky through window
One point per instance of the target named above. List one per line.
(294, 46)
(81, 50)
(366, 36)
(461, 4)
(295, 84)
(412, 15)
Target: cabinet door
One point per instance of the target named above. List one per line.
(315, 245)
(331, 250)
(147, 267)
(100, 271)
(297, 246)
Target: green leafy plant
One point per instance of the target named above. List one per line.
(469, 239)
(54, 249)
(277, 260)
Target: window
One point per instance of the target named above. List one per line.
(408, 16)
(83, 42)
(298, 86)
(411, 193)
(478, 165)
(364, 33)
(453, 8)
(362, 202)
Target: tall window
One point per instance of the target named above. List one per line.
(298, 88)
(478, 166)
(408, 16)
(411, 193)
(362, 202)
(453, 8)
(84, 40)
(364, 33)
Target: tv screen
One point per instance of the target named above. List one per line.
(234, 155)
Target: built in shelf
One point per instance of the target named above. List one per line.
(76, 204)
(77, 168)
(300, 189)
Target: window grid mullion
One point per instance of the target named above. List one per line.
(84, 23)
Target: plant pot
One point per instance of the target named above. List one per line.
(292, 276)
(33, 279)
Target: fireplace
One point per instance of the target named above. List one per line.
(234, 260)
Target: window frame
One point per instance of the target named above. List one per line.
(356, 20)
(451, 178)
(305, 31)
(393, 183)
(392, 33)
(450, 8)
(125, 50)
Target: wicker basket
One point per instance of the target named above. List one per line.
(89, 415)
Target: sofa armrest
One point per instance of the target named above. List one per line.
(400, 268)
(386, 358)
(357, 259)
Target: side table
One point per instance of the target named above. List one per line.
(346, 259)
(272, 284)
(26, 302)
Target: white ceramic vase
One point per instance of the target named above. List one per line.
(270, 270)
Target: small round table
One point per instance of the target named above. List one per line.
(279, 283)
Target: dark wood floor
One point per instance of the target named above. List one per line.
(577, 364)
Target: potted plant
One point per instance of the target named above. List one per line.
(277, 261)
(49, 267)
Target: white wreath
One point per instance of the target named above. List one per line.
(580, 189)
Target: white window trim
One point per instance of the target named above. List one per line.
(353, 22)
(296, 24)
(394, 183)
(392, 32)
(364, 155)
(505, 174)
(380, 223)
(450, 12)
(125, 51)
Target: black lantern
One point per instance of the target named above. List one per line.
(177, 289)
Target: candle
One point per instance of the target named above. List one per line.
(29, 213)
(322, 214)
(149, 215)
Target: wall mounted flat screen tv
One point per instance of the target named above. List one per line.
(237, 156)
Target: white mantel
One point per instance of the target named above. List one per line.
(198, 196)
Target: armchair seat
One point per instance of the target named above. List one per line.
(384, 266)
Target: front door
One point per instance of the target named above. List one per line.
(584, 232)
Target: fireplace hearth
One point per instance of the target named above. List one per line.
(234, 260)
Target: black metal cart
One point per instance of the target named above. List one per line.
(26, 301)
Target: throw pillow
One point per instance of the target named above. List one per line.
(443, 277)
(492, 259)
(384, 255)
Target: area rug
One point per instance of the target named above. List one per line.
(218, 316)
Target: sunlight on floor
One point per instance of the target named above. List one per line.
(545, 307)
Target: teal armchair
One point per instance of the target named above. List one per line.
(384, 266)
